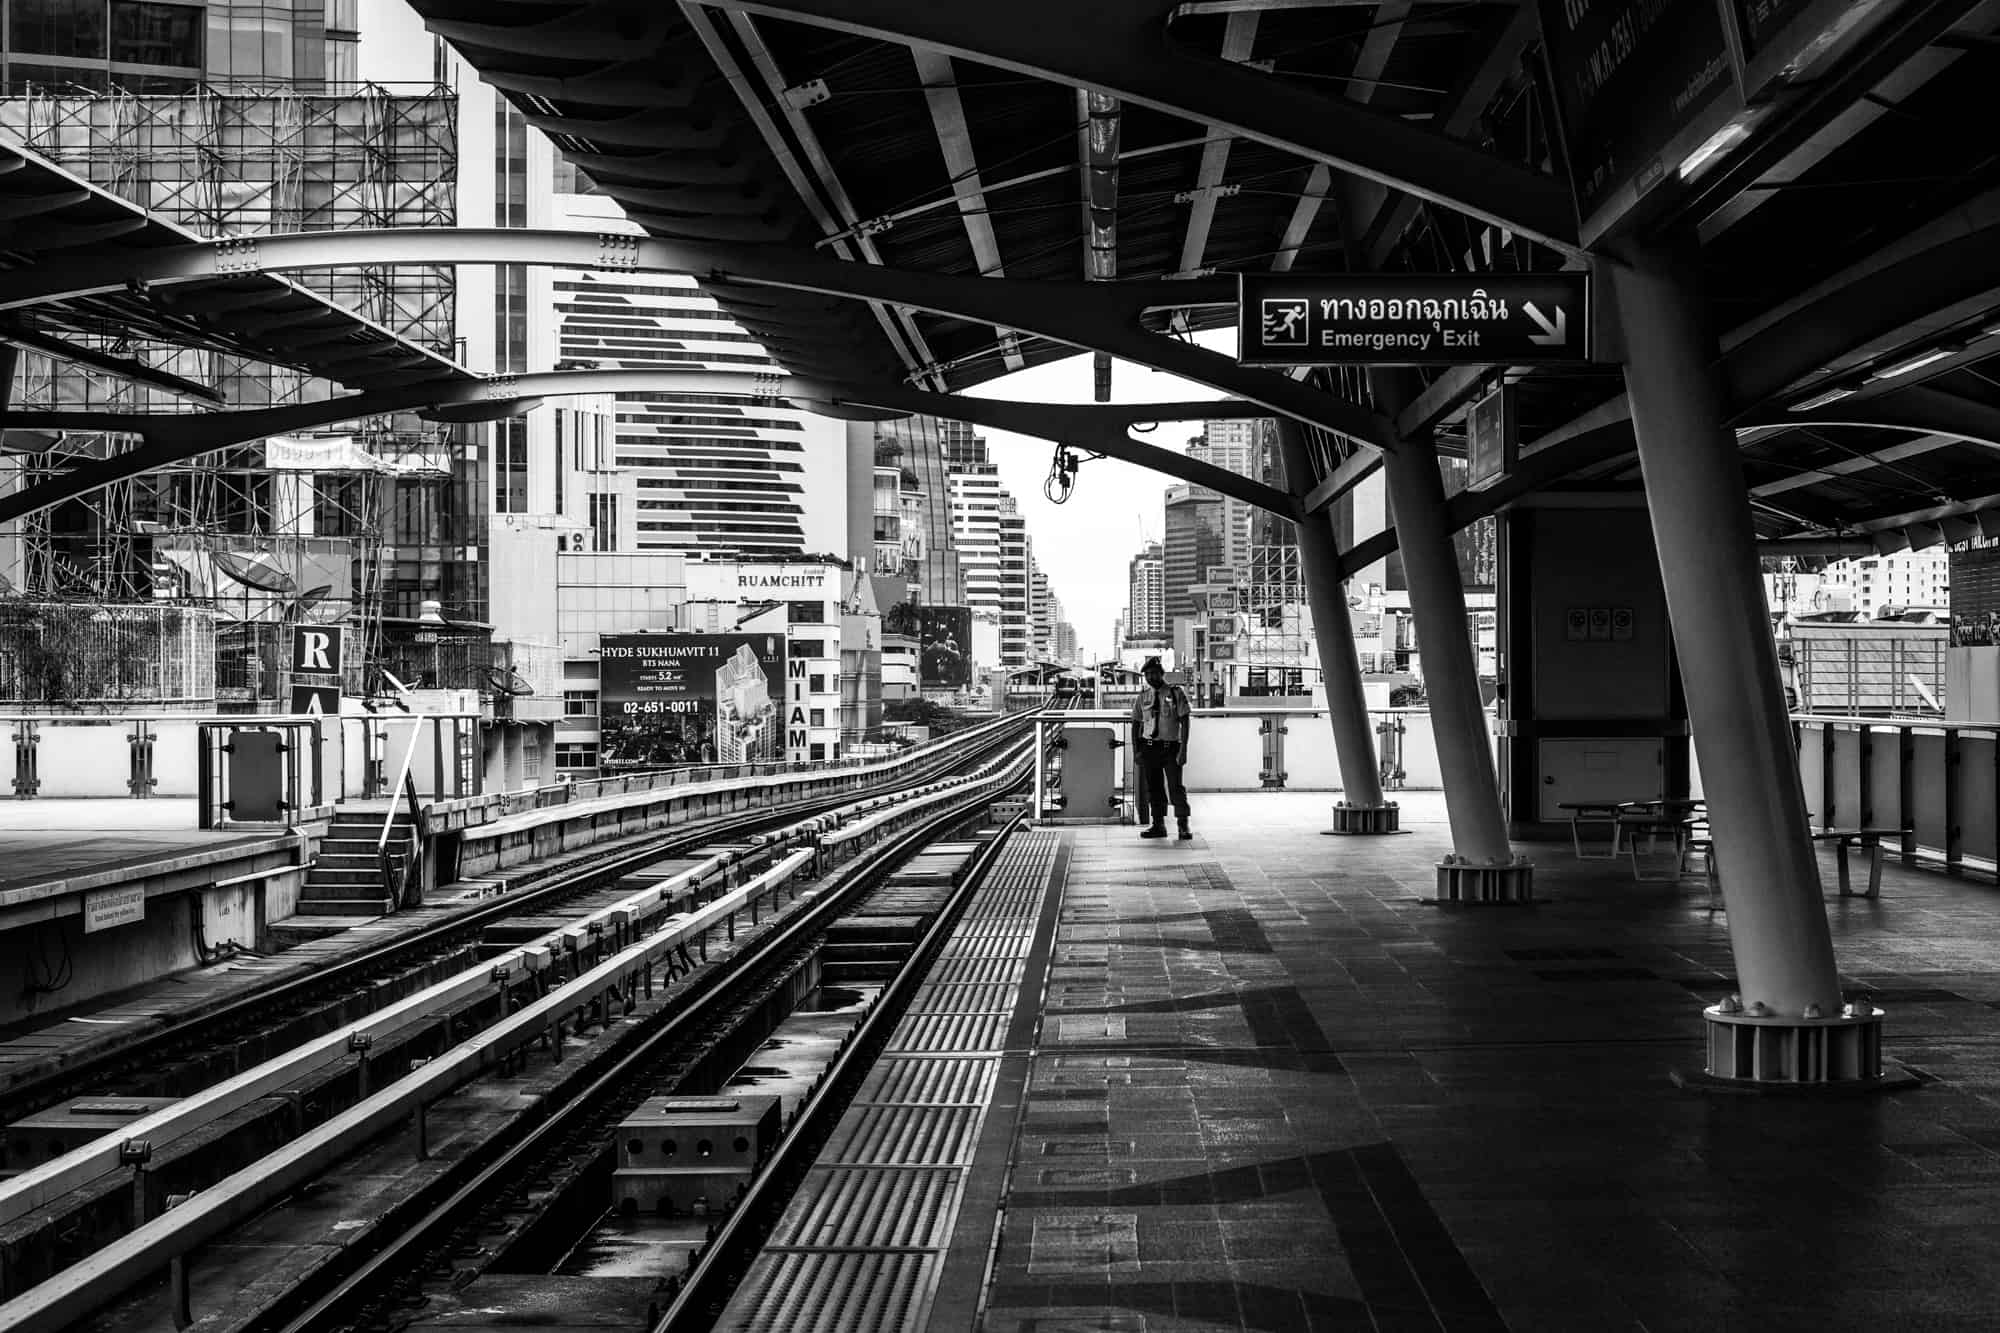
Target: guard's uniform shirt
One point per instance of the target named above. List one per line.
(1161, 715)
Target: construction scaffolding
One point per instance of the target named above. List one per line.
(337, 528)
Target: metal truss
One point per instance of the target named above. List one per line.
(169, 439)
(1103, 317)
(1122, 48)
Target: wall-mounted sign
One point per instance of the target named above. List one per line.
(1303, 319)
(316, 650)
(1492, 438)
(117, 906)
(316, 700)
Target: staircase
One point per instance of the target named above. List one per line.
(346, 876)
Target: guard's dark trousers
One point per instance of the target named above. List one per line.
(1160, 770)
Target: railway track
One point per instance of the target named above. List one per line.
(176, 1061)
(600, 973)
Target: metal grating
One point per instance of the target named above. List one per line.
(949, 1081)
(965, 971)
(965, 999)
(861, 1245)
(907, 1135)
(815, 1291)
(895, 1206)
(950, 1032)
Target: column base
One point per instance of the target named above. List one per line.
(1365, 819)
(1762, 1052)
(1461, 880)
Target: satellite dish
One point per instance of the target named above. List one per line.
(510, 683)
(256, 572)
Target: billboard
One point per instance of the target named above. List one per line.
(690, 699)
(946, 638)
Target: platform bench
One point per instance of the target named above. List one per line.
(1867, 838)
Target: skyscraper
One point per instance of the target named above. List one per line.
(1145, 600)
(1194, 542)
(712, 476)
(1234, 446)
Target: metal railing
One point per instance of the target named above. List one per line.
(1939, 780)
(235, 771)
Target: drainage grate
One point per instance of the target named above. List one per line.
(933, 1080)
(819, 1292)
(1204, 875)
(906, 1136)
(950, 1032)
(887, 1207)
(970, 971)
(988, 998)
(860, 1246)
(1597, 974)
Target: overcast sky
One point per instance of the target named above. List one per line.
(1085, 546)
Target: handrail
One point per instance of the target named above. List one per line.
(403, 780)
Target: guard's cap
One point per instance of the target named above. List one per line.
(1151, 663)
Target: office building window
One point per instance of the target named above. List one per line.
(154, 34)
(58, 28)
(817, 717)
(510, 466)
(573, 756)
(819, 684)
(806, 613)
(579, 703)
(808, 648)
(817, 751)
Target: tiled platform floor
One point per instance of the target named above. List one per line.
(1272, 1090)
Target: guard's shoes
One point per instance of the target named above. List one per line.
(1187, 834)
(1156, 831)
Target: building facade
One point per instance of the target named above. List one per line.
(1146, 595)
(1195, 541)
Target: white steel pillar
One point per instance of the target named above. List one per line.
(1484, 867)
(1722, 632)
(1362, 809)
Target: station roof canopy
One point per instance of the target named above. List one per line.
(1849, 214)
(45, 210)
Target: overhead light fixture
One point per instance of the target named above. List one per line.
(1720, 142)
(1820, 400)
(1917, 362)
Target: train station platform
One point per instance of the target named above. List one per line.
(1253, 1081)
(53, 849)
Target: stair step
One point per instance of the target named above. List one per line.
(348, 906)
(319, 877)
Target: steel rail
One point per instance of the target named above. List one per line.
(39, 1186)
(721, 1260)
(399, 1255)
(85, 1285)
(260, 1000)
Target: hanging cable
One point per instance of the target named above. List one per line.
(1062, 475)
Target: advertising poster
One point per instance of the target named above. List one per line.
(946, 637)
(690, 699)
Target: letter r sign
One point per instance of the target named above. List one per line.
(316, 650)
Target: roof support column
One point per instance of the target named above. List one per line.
(1791, 1003)
(1362, 809)
(1483, 867)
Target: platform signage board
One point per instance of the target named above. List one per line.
(1492, 438)
(1306, 319)
(1652, 93)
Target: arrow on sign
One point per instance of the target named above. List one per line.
(1552, 335)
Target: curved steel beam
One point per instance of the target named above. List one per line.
(1918, 408)
(1122, 47)
(1098, 427)
(178, 437)
(1093, 316)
